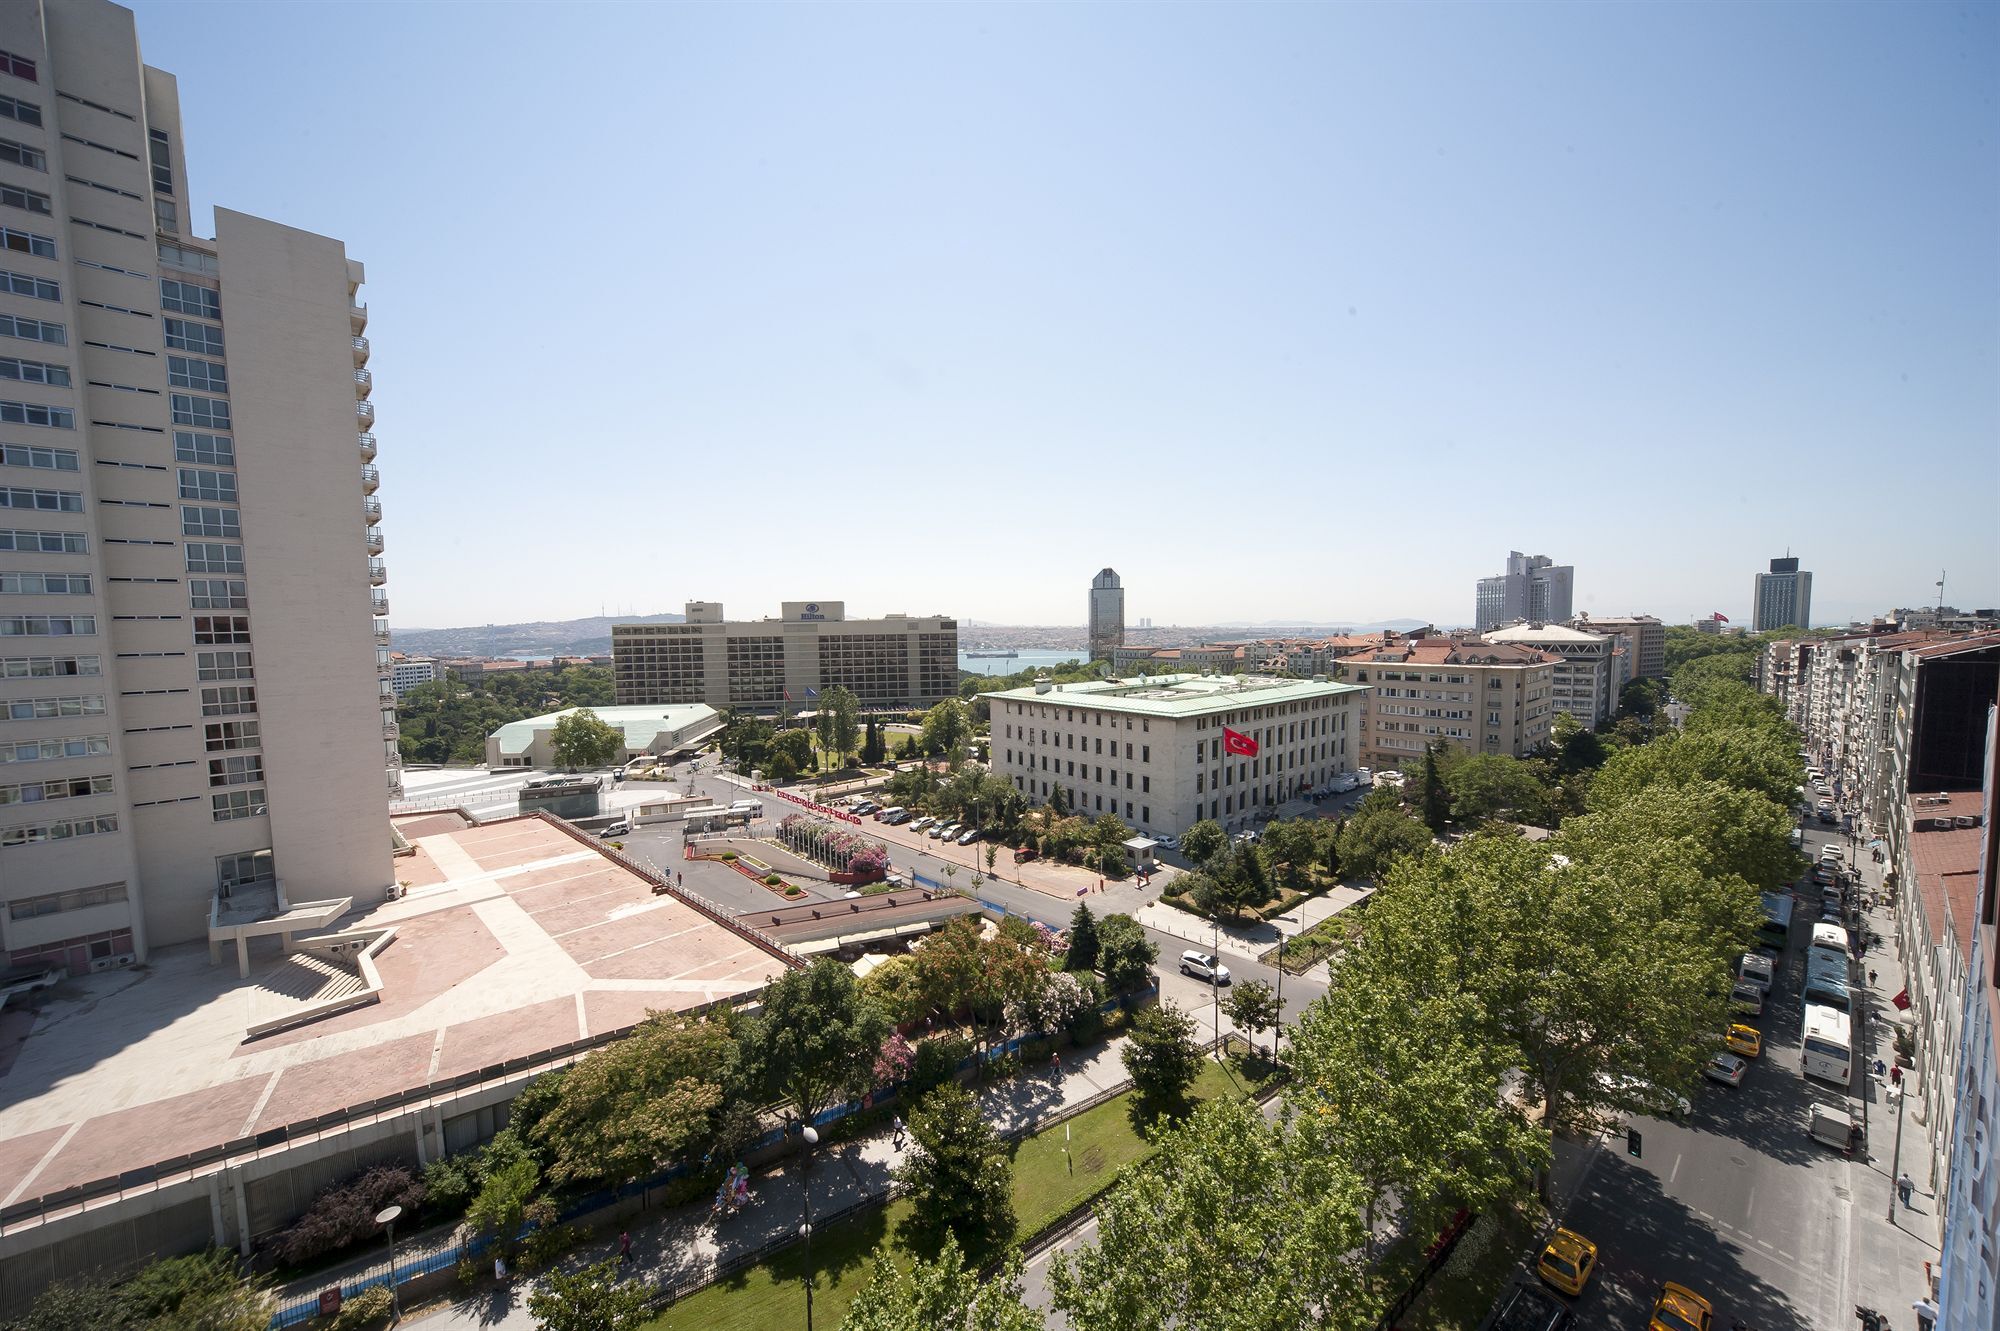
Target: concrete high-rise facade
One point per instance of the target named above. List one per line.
(1534, 587)
(1107, 614)
(1781, 598)
(194, 667)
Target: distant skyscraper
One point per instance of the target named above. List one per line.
(1534, 588)
(1782, 597)
(1107, 614)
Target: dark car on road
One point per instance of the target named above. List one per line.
(1530, 1308)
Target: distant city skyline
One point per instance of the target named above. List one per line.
(1282, 311)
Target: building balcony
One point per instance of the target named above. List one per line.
(385, 671)
(380, 600)
(360, 351)
(371, 508)
(357, 317)
(395, 785)
(364, 412)
(371, 478)
(373, 540)
(378, 572)
(389, 730)
(366, 442)
(382, 640)
(363, 381)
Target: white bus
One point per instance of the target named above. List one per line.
(1828, 1049)
(1830, 938)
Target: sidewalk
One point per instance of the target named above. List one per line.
(672, 1245)
(1888, 1257)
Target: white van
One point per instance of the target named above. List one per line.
(1757, 970)
(892, 814)
(750, 808)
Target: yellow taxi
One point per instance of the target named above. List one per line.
(1568, 1261)
(1681, 1309)
(1743, 1040)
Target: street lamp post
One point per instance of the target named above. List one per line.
(1279, 1034)
(1896, 1093)
(387, 1217)
(811, 1136)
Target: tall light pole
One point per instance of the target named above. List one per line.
(1281, 921)
(1896, 1093)
(811, 1136)
(388, 1216)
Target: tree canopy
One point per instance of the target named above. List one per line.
(958, 1175)
(818, 1036)
(583, 739)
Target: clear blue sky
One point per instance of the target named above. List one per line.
(1296, 311)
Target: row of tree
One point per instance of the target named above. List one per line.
(448, 720)
(1503, 990)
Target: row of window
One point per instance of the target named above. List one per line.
(231, 700)
(217, 594)
(34, 413)
(44, 584)
(44, 709)
(33, 330)
(44, 542)
(64, 788)
(13, 108)
(56, 903)
(62, 829)
(34, 371)
(47, 626)
(218, 735)
(39, 458)
(213, 557)
(55, 750)
(28, 200)
(221, 630)
(198, 520)
(213, 486)
(187, 372)
(204, 413)
(49, 667)
(22, 284)
(223, 665)
(187, 335)
(213, 449)
(234, 804)
(22, 154)
(178, 297)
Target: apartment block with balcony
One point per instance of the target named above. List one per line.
(1591, 668)
(770, 665)
(1475, 696)
(185, 566)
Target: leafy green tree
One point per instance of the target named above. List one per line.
(1124, 954)
(1640, 698)
(1240, 883)
(1577, 749)
(1376, 837)
(1292, 848)
(1239, 1224)
(1203, 841)
(1058, 800)
(1487, 785)
(872, 749)
(1162, 1059)
(642, 1102)
(941, 1295)
(817, 1038)
(592, 1299)
(582, 739)
(846, 728)
(958, 1176)
(946, 727)
(825, 724)
(1253, 1007)
(746, 740)
(1082, 940)
(1731, 832)
(1764, 759)
(1431, 797)
(502, 1204)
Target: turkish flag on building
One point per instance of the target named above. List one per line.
(1902, 1000)
(1232, 742)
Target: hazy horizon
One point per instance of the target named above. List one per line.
(1274, 309)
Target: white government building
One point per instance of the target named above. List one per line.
(1151, 750)
(653, 729)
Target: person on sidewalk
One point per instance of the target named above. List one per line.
(1905, 1186)
(625, 1246)
(897, 1124)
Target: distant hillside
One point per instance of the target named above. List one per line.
(565, 637)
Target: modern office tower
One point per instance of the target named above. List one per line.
(1107, 614)
(1781, 598)
(774, 665)
(194, 664)
(1533, 588)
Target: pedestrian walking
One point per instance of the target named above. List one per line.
(1905, 1186)
(897, 1124)
(1926, 1312)
(624, 1245)
(1871, 977)
(1896, 1075)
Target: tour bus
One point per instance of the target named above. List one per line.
(747, 809)
(1776, 930)
(1828, 1048)
(1826, 982)
(1830, 938)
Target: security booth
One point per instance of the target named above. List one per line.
(1139, 854)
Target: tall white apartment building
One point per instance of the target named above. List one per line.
(1154, 751)
(192, 659)
(408, 674)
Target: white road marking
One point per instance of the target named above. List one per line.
(1750, 1202)
(1675, 1173)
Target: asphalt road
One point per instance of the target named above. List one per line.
(1737, 1203)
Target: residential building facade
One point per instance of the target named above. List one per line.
(1534, 587)
(1645, 640)
(771, 665)
(1107, 614)
(407, 674)
(1781, 598)
(1475, 696)
(1590, 667)
(1154, 752)
(196, 655)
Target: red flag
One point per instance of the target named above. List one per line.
(1902, 1000)
(1720, 618)
(1232, 742)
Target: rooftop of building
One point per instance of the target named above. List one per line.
(1457, 651)
(1967, 642)
(642, 723)
(1527, 631)
(1176, 696)
(1620, 620)
(1945, 864)
(514, 939)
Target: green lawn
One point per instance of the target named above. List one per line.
(1102, 1143)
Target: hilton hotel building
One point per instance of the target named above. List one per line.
(1151, 750)
(752, 665)
(193, 666)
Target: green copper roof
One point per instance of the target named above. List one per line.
(1180, 695)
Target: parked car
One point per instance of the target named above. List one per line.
(1727, 1069)
(619, 828)
(1170, 843)
(1026, 853)
(1204, 966)
(1531, 1308)
(1827, 816)
(1745, 1040)
(866, 807)
(921, 823)
(1568, 1261)
(1747, 998)
(968, 836)
(940, 832)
